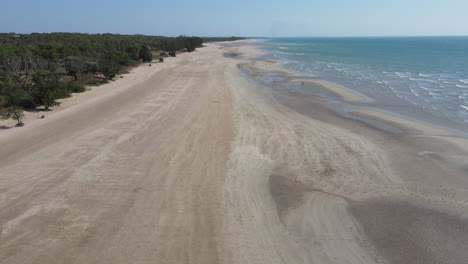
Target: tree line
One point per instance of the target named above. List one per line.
(37, 69)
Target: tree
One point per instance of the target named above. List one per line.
(91, 67)
(46, 89)
(190, 44)
(109, 68)
(31, 64)
(50, 53)
(145, 54)
(133, 51)
(169, 45)
(14, 95)
(119, 57)
(13, 112)
(73, 66)
(23, 56)
(21, 68)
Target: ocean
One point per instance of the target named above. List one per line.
(425, 78)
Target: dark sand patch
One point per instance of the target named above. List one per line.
(406, 232)
(286, 193)
(289, 193)
(231, 54)
(464, 167)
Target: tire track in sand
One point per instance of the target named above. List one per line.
(272, 140)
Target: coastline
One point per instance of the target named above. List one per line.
(382, 120)
(429, 160)
(424, 91)
(218, 157)
(350, 95)
(347, 95)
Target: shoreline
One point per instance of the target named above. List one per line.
(351, 95)
(431, 162)
(381, 121)
(216, 157)
(347, 95)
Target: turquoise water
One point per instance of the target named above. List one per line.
(420, 76)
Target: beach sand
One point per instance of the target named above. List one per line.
(345, 94)
(190, 161)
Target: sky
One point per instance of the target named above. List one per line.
(249, 18)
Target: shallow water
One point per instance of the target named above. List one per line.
(425, 78)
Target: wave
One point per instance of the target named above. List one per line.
(418, 79)
(438, 92)
(403, 74)
(288, 53)
(427, 75)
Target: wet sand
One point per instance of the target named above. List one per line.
(404, 231)
(345, 94)
(421, 218)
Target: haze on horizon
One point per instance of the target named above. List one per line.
(262, 18)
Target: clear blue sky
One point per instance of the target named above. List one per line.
(268, 18)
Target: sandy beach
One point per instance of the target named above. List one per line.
(345, 94)
(193, 161)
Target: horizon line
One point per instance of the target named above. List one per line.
(251, 37)
(369, 36)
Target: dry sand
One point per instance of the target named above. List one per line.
(189, 162)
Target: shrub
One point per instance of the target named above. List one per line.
(92, 67)
(47, 89)
(73, 66)
(109, 68)
(145, 54)
(61, 92)
(133, 52)
(13, 112)
(119, 57)
(74, 87)
(14, 95)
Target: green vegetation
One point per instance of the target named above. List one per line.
(37, 69)
(12, 112)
